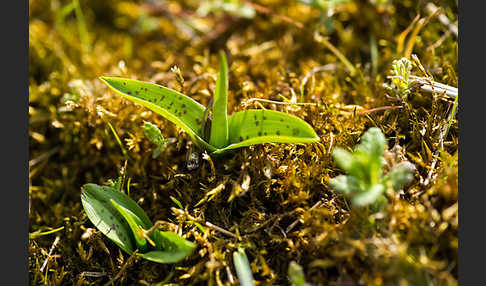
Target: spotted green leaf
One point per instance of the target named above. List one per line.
(253, 126)
(135, 225)
(172, 105)
(124, 222)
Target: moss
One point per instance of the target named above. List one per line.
(256, 192)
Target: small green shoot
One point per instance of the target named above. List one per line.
(296, 274)
(37, 234)
(365, 184)
(126, 224)
(155, 136)
(242, 265)
(124, 151)
(401, 82)
(116, 184)
(210, 128)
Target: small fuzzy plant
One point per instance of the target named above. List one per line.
(210, 127)
(401, 81)
(365, 183)
(125, 223)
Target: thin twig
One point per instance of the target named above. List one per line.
(124, 267)
(43, 156)
(336, 52)
(93, 274)
(442, 136)
(56, 241)
(379, 109)
(222, 230)
(437, 87)
(324, 68)
(276, 102)
(231, 279)
(292, 225)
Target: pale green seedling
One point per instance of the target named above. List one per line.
(365, 183)
(126, 224)
(154, 135)
(211, 128)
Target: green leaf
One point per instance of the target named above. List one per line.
(167, 240)
(172, 105)
(354, 164)
(165, 256)
(135, 225)
(400, 175)
(176, 201)
(243, 269)
(219, 125)
(153, 133)
(343, 158)
(260, 126)
(170, 247)
(121, 220)
(105, 193)
(373, 143)
(344, 184)
(296, 274)
(105, 217)
(367, 197)
(372, 147)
